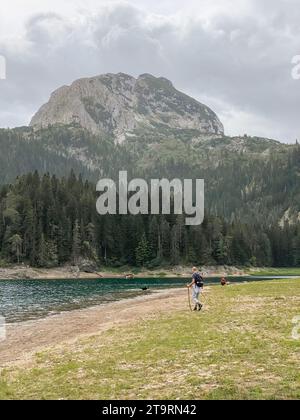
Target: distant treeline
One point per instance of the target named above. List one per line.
(46, 222)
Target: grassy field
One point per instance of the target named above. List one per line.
(276, 272)
(239, 347)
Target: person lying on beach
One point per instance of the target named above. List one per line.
(197, 286)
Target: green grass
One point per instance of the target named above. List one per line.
(276, 272)
(239, 347)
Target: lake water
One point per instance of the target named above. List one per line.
(23, 300)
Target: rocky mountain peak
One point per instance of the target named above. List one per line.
(119, 104)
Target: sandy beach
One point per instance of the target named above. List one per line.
(25, 339)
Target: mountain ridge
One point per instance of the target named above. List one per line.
(247, 178)
(119, 104)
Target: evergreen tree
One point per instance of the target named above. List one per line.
(76, 242)
(16, 246)
(142, 251)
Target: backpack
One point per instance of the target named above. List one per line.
(199, 282)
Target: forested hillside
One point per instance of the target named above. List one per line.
(46, 221)
(99, 126)
(247, 179)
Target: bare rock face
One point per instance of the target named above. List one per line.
(118, 105)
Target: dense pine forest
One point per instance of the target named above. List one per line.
(252, 199)
(47, 221)
(246, 178)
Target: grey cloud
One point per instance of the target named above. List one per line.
(239, 64)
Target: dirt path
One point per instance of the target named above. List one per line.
(25, 339)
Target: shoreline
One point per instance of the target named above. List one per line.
(74, 273)
(25, 339)
(106, 353)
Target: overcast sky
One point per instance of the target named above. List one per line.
(233, 55)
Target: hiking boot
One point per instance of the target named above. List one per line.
(200, 306)
(196, 308)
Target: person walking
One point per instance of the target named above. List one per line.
(197, 286)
